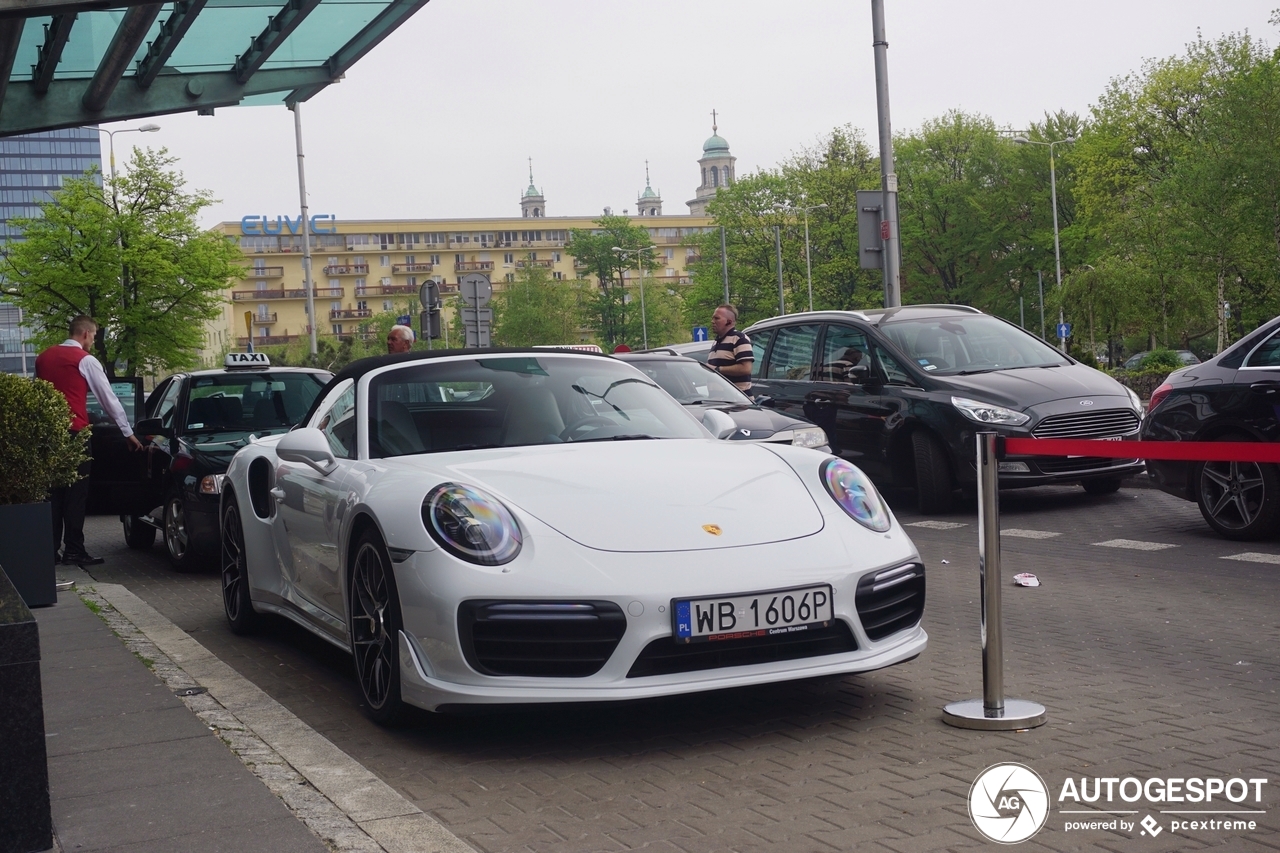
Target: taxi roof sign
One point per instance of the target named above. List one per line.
(246, 359)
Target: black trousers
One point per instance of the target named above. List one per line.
(68, 513)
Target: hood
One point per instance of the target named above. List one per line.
(1023, 388)
(762, 422)
(645, 496)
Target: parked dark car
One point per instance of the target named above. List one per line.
(1134, 362)
(901, 392)
(1234, 396)
(698, 388)
(194, 423)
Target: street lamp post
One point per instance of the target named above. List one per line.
(808, 264)
(1053, 190)
(626, 255)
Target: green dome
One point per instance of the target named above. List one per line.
(717, 144)
(532, 191)
(648, 193)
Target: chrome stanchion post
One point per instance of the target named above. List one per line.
(993, 712)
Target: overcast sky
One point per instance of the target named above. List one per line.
(439, 120)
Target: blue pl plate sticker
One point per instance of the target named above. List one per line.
(684, 625)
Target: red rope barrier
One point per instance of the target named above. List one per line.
(1193, 451)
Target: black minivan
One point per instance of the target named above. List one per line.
(901, 393)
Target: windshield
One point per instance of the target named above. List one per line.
(690, 382)
(974, 343)
(513, 401)
(250, 402)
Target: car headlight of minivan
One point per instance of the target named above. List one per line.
(808, 437)
(986, 413)
(1135, 399)
(471, 524)
(855, 494)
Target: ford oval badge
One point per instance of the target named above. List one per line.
(1086, 402)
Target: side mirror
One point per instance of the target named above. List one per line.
(150, 426)
(718, 423)
(859, 373)
(763, 400)
(308, 446)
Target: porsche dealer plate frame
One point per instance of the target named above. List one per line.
(752, 614)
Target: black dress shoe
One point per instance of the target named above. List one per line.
(83, 560)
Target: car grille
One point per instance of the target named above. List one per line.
(891, 600)
(664, 656)
(1088, 424)
(554, 639)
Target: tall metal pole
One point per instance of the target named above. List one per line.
(808, 266)
(22, 344)
(644, 320)
(306, 226)
(1057, 252)
(724, 266)
(888, 178)
(1040, 278)
(777, 242)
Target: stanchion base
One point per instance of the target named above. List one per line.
(1016, 714)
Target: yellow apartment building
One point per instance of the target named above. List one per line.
(365, 267)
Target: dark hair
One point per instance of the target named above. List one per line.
(82, 323)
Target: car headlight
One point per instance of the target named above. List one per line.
(1135, 399)
(808, 437)
(986, 413)
(211, 484)
(471, 524)
(855, 494)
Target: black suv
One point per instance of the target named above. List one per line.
(195, 422)
(901, 392)
(1234, 396)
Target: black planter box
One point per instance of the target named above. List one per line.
(26, 551)
(26, 822)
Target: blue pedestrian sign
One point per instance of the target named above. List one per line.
(404, 320)
(1064, 330)
(699, 333)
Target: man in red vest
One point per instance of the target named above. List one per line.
(74, 372)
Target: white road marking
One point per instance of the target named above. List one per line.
(1029, 534)
(937, 525)
(1134, 545)
(1255, 557)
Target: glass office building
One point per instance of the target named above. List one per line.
(31, 167)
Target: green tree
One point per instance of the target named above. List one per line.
(536, 309)
(133, 257)
(607, 310)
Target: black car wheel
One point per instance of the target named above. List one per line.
(375, 630)
(138, 535)
(1240, 500)
(235, 573)
(933, 474)
(176, 540)
(1102, 487)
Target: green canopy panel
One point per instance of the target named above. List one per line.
(67, 64)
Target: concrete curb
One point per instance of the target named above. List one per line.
(348, 807)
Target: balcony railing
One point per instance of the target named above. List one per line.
(268, 340)
(398, 269)
(473, 266)
(266, 272)
(264, 319)
(300, 293)
(546, 263)
(350, 313)
(347, 269)
(386, 290)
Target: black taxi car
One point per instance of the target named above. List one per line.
(192, 424)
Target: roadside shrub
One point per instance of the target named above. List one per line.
(37, 452)
(1161, 359)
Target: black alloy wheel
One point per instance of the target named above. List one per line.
(375, 630)
(138, 535)
(235, 573)
(1239, 500)
(933, 474)
(176, 540)
(1102, 487)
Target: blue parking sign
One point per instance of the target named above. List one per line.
(699, 333)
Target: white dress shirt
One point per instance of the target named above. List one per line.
(91, 370)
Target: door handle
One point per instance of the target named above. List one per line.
(278, 494)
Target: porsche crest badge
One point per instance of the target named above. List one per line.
(713, 529)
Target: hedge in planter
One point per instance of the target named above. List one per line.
(37, 454)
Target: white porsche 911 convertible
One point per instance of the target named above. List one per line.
(500, 526)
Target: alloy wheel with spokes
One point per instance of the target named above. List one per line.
(235, 576)
(375, 630)
(1240, 500)
(176, 540)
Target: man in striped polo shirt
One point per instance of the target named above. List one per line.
(731, 354)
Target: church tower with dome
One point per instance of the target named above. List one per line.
(717, 170)
(532, 204)
(648, 203)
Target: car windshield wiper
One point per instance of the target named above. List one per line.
(629, 437)
(584, 392)
(979, 370)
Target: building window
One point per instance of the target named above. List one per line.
(386, 281)
(725, 170)
(264, 332)
(337, 328)
(335, 282)
(435, 259)
(459, 259)
(557, 275)
(509, 257)
(408, 259)
(715, 177)
(362, 306)
(262, 285)
(385, 260)
(360, 284)
(511, 276)
(555, 256)
(704, 176)
(386, 305)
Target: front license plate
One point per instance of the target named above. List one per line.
(755, 614)
(1101, 438)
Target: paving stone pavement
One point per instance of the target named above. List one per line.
(1150, 663)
